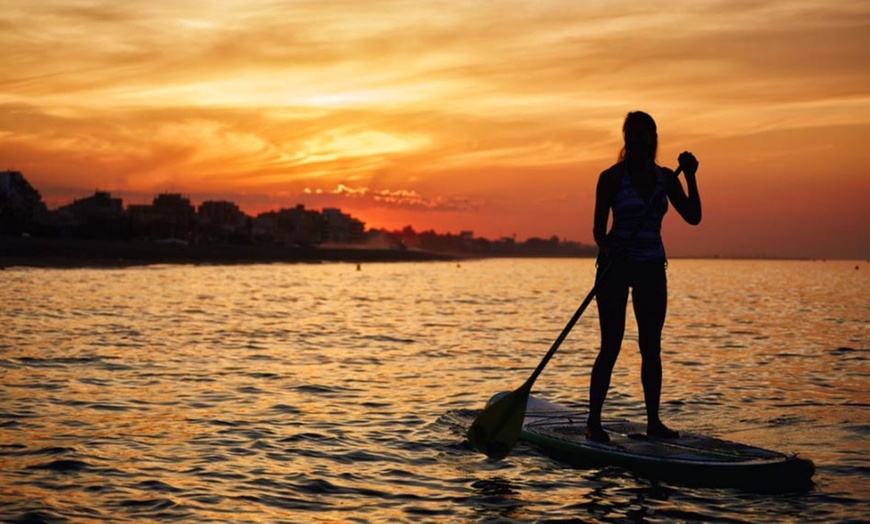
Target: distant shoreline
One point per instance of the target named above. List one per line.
(79, 253)
(92, 253)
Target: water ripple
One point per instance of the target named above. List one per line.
(318, 393)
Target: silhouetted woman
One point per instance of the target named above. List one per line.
(632, 257)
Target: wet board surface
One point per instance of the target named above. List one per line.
(692, 458)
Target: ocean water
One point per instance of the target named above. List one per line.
(323, 393)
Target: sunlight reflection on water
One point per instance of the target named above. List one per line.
(318, 392)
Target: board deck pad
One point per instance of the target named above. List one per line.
(703, 460)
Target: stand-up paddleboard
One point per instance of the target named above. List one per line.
(690, 459)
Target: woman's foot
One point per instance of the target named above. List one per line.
(596, 434)
(659, 430)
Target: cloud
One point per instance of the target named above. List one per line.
(509, 101)
(391, 198)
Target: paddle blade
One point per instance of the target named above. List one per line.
(496, 430)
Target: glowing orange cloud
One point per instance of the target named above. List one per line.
(492, 117)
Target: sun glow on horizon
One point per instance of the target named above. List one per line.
(449, 116)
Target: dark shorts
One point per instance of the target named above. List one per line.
(619, 273)
(647, 283)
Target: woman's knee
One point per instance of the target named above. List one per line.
(607, 355)
(650, 349)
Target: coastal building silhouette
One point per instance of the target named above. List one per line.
(100, 204)
(289, 227)
(171, 218)
(21, 207)
(176, 215)
(220, 220)
(341, 228)
(99, 215)
(142, 219)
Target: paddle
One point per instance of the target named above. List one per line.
(496, 430)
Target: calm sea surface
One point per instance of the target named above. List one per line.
(319, 393)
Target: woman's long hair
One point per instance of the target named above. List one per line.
(641, 119)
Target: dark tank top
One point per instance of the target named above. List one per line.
(629, 208)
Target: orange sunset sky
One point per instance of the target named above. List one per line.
(490, 116)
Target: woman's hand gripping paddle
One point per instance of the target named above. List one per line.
(496, 430)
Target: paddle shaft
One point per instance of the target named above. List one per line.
(586, 301)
